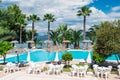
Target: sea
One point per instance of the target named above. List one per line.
(45, 37)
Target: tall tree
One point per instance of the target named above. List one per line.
(6, 34)
(50, 18)
(14, 19)
(54, 36)
(63, 29)
(85, 11)
(108, 39)
(4, 47)
(91, 33)
(33, 18)
(77, 37)
(21, 23)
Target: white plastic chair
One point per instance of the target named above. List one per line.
(82, 70)
(61, 67)
(119, 71)
(106, 74)
(73, 71)
(96, 71)
(86, 68)
(29, 70)
(37, 70)
(12, 67)
(50, 69)
(58, 69)
(118, 66)
(95, 66)
(6, 69)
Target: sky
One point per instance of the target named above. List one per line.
(65, 12)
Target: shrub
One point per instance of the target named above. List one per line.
(67, 57)
(98, 58)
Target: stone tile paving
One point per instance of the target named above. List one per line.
(24, 76)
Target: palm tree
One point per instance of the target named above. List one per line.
(54, 36)
(50, 18)
(64, 34)
(85, 11)
(21, 23)
(77, 37)
(91, 33)
(63, 29)
(33, 18)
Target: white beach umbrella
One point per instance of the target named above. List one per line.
(28, 57)
(56, 57)
(89, 58)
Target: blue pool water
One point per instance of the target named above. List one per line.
(42, 55)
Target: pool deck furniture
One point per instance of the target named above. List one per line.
(101, 71)
(10, 67)
(118, 69)
(79, 70)
(19, 75)
(34, 68)
(55, 69)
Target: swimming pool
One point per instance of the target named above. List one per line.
(42, 55)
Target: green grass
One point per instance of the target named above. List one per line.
(90, 70)
(66, 69)
(1, 68)
(80, 64)
(114, 72)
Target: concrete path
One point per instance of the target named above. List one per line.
(22, 75)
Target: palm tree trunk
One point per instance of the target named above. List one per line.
(33, 31)
(84, 36)
(48, 30)
(20, 36)
(75, 45)
(54, 42)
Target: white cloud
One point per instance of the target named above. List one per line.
(96, 16)
(114, 14)
(97, 13)
(10, 0)
(78, 27)
(117, 8)
(65, 13)
(27, 3)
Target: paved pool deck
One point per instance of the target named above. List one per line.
(22, 75)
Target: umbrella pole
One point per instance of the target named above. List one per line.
(18, 58)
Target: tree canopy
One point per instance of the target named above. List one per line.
(4, 47)
(108, 39)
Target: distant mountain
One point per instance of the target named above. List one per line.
(43, 37)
